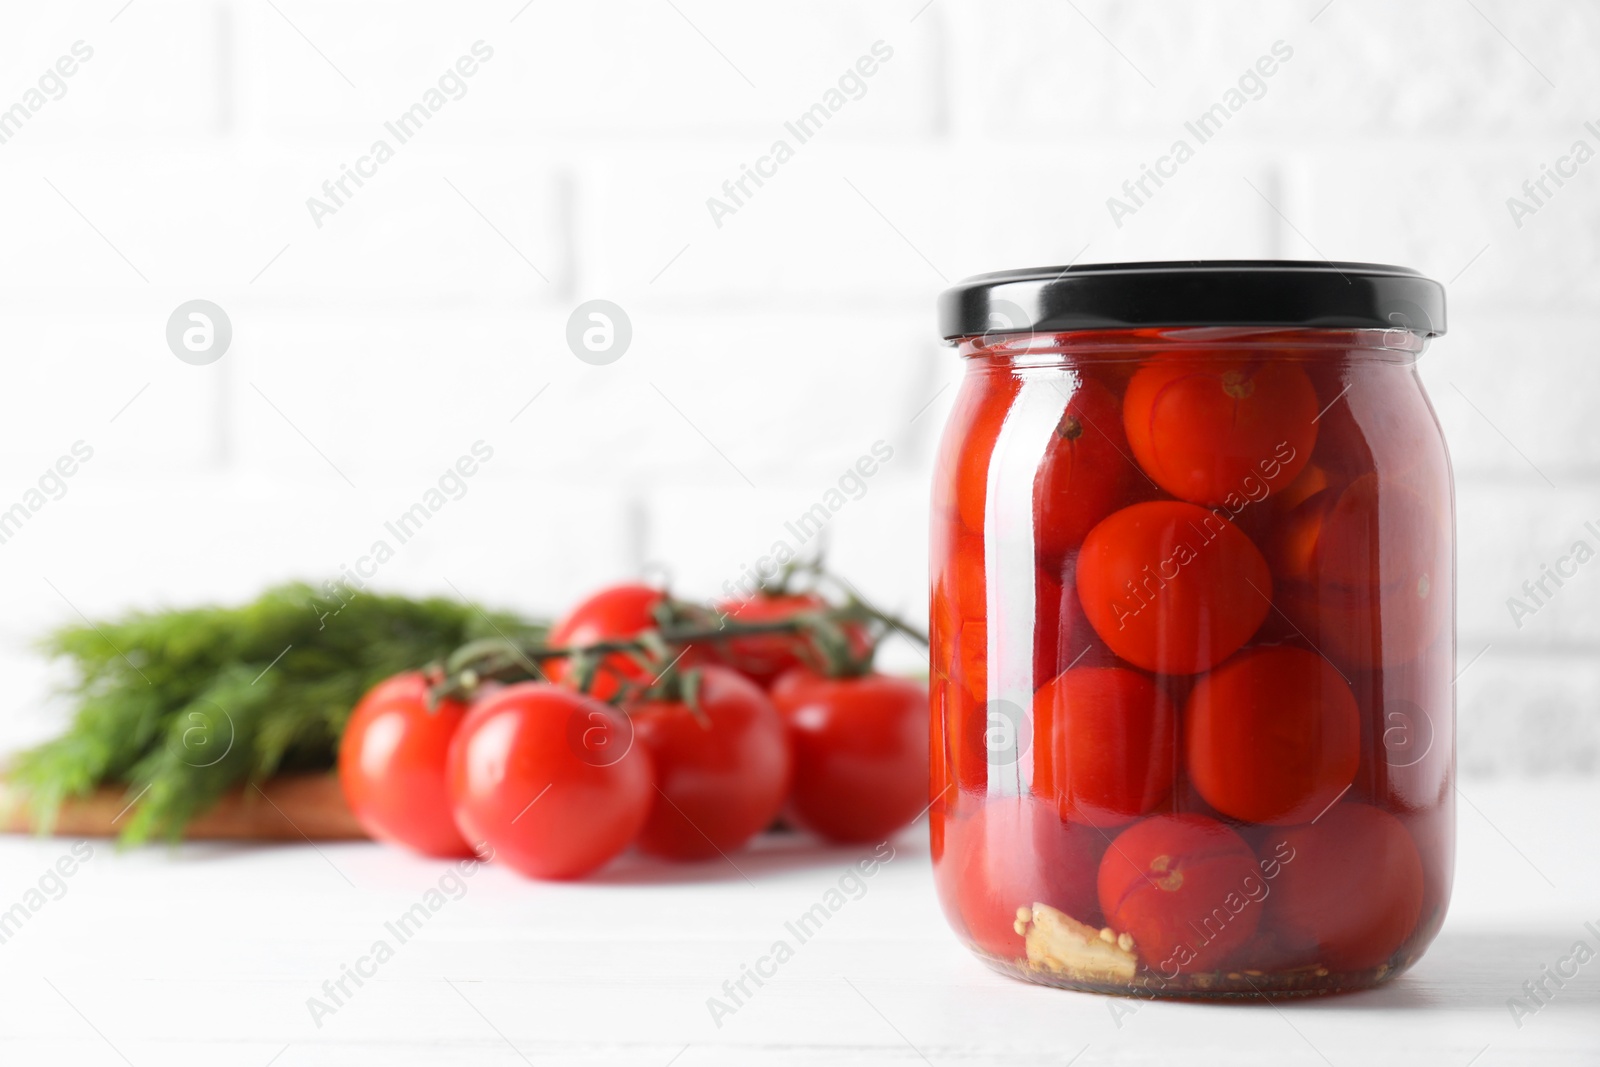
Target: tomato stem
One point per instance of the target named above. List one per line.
(658, 650)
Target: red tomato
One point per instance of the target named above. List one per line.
(941, 763)
(956, 666)
(1433, 831)
(550, 779)
(1293, 543)
(860, 752)
(1353, 539)
(1382, 422)
(1172, 587)
(973, 429)
(1407, 732)
(1362, 630)
(1392, 543)
(392, 766)
(959, 613)
(967, 738)
(1353, 892)
(617, 611)
(1105, 744)
(1012, 853)
(1185, 888)
(1273, 736)
(1312, 480)
(1367, 570)
(1083, 472)
(944, 622)
(763, 657)
(1220, 431)
(721, 769)
(958, 655)
(1062, 637)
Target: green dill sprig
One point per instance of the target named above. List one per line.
(179, 706)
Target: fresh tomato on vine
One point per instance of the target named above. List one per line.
(550, 779)
(721, 762)
(392, 766)
(763, 657)
(615, 612)
(860, 752)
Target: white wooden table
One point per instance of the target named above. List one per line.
(207, 955)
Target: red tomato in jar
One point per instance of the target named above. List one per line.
(1407, 737)
(1381, 422)
(860, 752)
(1010, 854)
(550, 779)
(1312, 480)
(966, 738)
(954, 733)
(1273, 736)
(959, 613)
(1387, 539)
(1062, 637)
(1433, 831)
(957, 656)
(1220, 431)
(941, 765)
(615, 612)
(1105, 741)
(392, 766)
(974, 428)
(1353, 892)
(1363, 630)
(1358, 537)
(1172, 587)
(943, 624)
(1061, 634)
(1367, 569)
(1083, 472)
(721, 767)
(1185, 888)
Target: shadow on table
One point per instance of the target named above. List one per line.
(1479, 971)
(770, 854)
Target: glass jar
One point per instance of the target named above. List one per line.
(1193, 628)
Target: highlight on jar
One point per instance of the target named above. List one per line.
(1193, 628)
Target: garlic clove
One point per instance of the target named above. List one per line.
(1059, 943)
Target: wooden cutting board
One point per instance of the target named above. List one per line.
(292, 808)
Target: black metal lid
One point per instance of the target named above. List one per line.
(1221, 292)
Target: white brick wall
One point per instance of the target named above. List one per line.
(416, 321)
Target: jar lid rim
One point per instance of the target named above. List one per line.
(1219, 292)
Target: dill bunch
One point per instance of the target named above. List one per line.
(179, 706)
